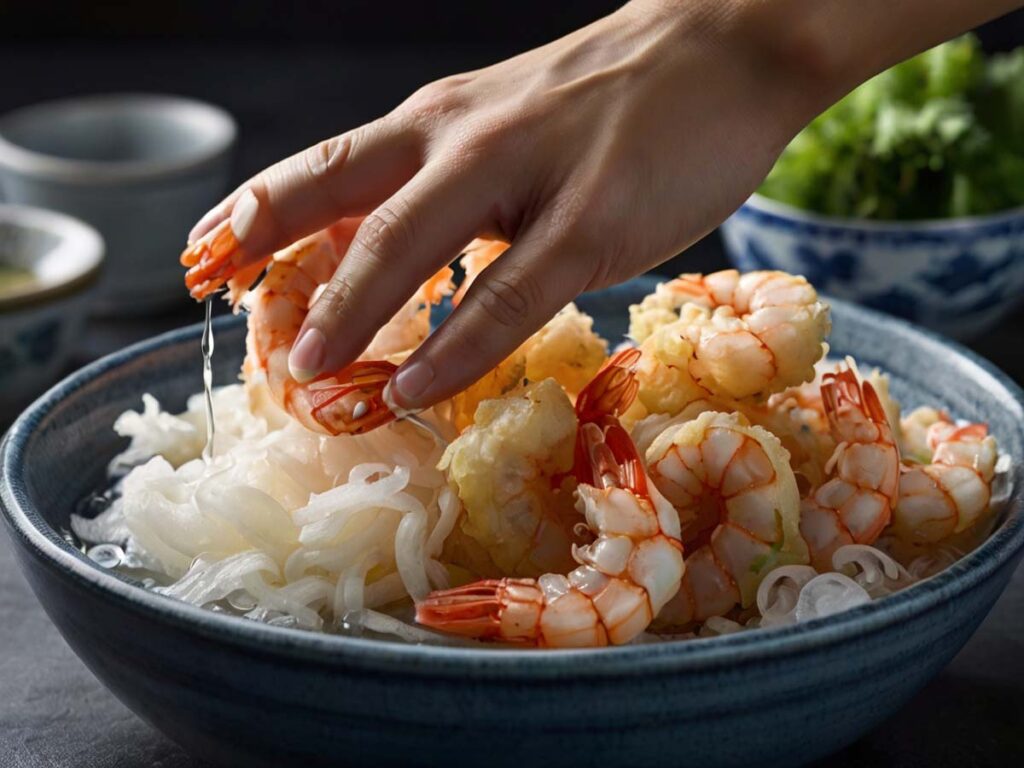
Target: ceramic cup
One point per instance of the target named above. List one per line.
(140, 168)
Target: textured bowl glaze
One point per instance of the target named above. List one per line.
(241, 693)
(956, 276)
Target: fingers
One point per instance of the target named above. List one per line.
(397, 247)
(341, 177)
(508, 302)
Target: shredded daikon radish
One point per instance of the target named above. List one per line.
(829, 593)
(778, 594)
(872, 569)
(294, 528)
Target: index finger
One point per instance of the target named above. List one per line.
(344, 176)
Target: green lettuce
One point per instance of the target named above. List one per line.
(938, 135)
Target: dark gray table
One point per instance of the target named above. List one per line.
(53, 712)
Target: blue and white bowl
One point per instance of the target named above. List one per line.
(956, 276)
(41, 321)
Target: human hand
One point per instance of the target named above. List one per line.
(597, 156)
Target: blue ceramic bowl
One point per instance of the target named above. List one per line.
(956, 276)
(238, 692)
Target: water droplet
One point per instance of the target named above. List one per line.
(106, 555)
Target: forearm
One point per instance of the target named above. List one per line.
(825, 48)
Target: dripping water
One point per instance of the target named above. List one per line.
(207, 347)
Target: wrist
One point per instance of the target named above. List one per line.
(785, 47)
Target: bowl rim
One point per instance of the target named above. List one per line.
(75, 237)
(40, 541)
(956, 224)
(41, 165)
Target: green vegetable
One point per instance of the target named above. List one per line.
(938, 135)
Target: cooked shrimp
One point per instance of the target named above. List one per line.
(914, 445)
(349, 401)
(566, 349)
(626, 575)
(952, 492)
(503, 468)
(739, 509)
(736, 336)
(855, 504)
(476, 257)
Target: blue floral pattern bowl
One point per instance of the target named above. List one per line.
(238, 692)
(957, 276)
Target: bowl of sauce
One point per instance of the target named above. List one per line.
(49, 265)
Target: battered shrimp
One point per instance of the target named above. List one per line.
(855, 504)
(503, 468)
(738, 505)
(952, 492)
(566, 349)
(737, 336)
(625, 576)
(347, 401)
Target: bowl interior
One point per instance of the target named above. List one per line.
(67, 437)
(58, 250)
(119, 129)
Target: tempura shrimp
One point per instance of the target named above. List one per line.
(566, 349)
(736, 336)
(738, 505)
(349, 401)
(951, 490)
(855, 503)
(504, 467)
(626, 575)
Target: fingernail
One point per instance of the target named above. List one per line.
(410, 383)
(307, 355)
(244, 214)
(210, 219)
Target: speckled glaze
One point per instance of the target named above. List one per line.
(956, 276)
(241, 693)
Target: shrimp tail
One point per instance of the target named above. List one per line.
(214, 260)
(336, 412)
(612, 390)
(487, 610)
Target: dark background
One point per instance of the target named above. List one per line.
(291, 74)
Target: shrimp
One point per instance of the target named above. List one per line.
(626, 575)
(503, 468)
(739, 507)
(476, 257)
(855, 503)
(566, 349)
(951, 491)
(349, 401)
(736, 336)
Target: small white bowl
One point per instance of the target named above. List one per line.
(140, 168)
(958, 276)
(40, 322)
